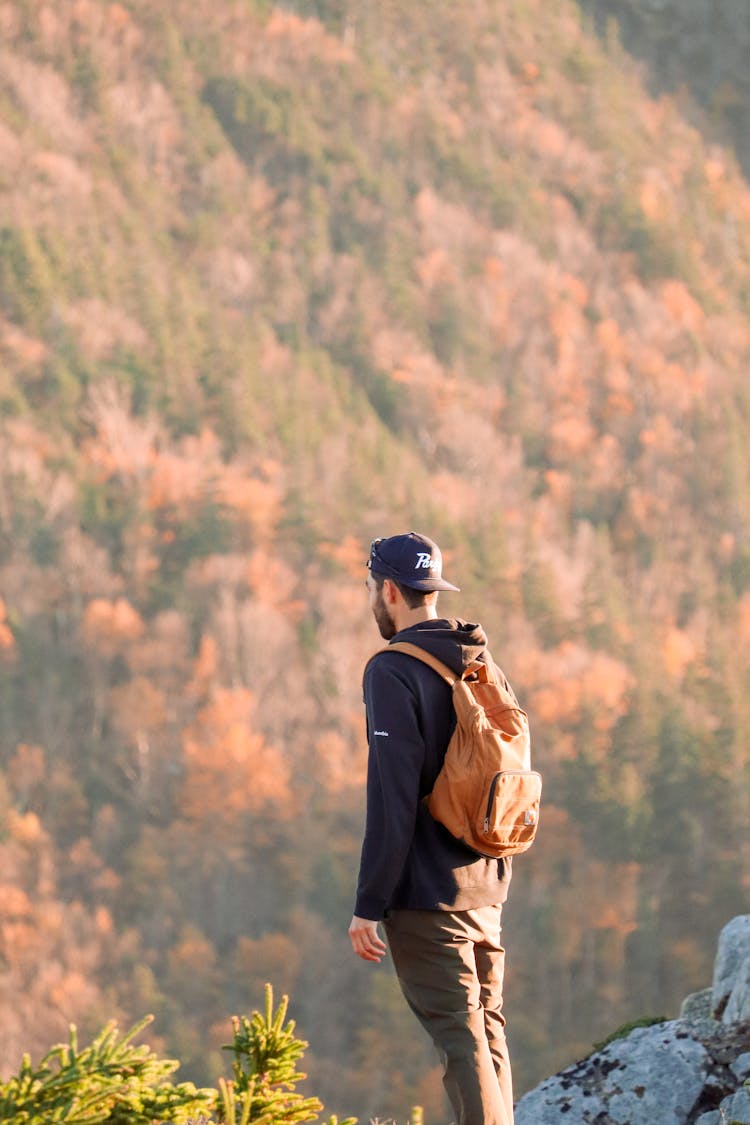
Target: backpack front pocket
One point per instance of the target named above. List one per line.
(512, 812)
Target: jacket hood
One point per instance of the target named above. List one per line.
(457, 643)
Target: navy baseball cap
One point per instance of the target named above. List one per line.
(412, 559)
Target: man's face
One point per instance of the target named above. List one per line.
(380, 611)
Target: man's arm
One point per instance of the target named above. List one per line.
(394, 767)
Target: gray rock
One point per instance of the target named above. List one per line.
(658, 1075)
(668, 1073)
(558, 1100)
(654, 1074)
(738, 1004)
(734, 949)
(698, 1005)
(736, 1109)
(741, 1066)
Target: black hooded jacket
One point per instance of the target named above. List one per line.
(410, 861)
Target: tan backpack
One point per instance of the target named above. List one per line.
(486, 794)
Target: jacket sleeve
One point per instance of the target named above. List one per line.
(396, 757)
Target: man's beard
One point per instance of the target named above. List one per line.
(383, 619)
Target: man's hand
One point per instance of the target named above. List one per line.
(365, 939)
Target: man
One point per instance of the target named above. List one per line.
(440, 903)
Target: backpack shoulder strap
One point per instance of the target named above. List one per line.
(443, 670)
(485, 671)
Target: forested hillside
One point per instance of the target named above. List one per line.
(278, 279)
(700, 48)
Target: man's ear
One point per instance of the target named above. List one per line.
(391, 592)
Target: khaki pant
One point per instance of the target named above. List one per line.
(450, 967)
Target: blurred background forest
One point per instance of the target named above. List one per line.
(274, 280)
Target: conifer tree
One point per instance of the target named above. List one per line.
(266, 1052)
(113, 1082)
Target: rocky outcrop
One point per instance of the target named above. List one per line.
(731, 986)
(687, 1071)
(698, 45)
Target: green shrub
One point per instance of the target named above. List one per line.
(266, 1052)
(113, 1082)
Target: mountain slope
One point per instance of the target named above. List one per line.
(274, 281)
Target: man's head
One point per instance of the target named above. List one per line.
(404, 580)
(411, 560)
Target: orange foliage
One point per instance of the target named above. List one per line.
(273, 957)
(715, 169)
(661, 436)
(305, 38)
(7, 640)
(26, 350)
(572, 435)
(611, 340)
(557, 703)
(119, 17)
(230, 769)
(342, 766)
(138, 706)
(257, 498)
(596, 896)
(435, 269)
(61, 176)
(678, 651)
(26, 828)
(576, 290)
(446, 226)
(565, 681)
(681, 306)
(606, 911)
(272, 581)
(495, 295)
(103, 920)
(175, 481)
(655, 196)
(606, 684)
(88, 870)
(548, 138)
(727, 548)
(565, 318)
(559, 486)
(14, 903)
(350, 554)
(421, 369)
(108, 624)
(460, 499)
(205, 665)
(192, 954)
(74, 992)
(163, 652)
(109, 29)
